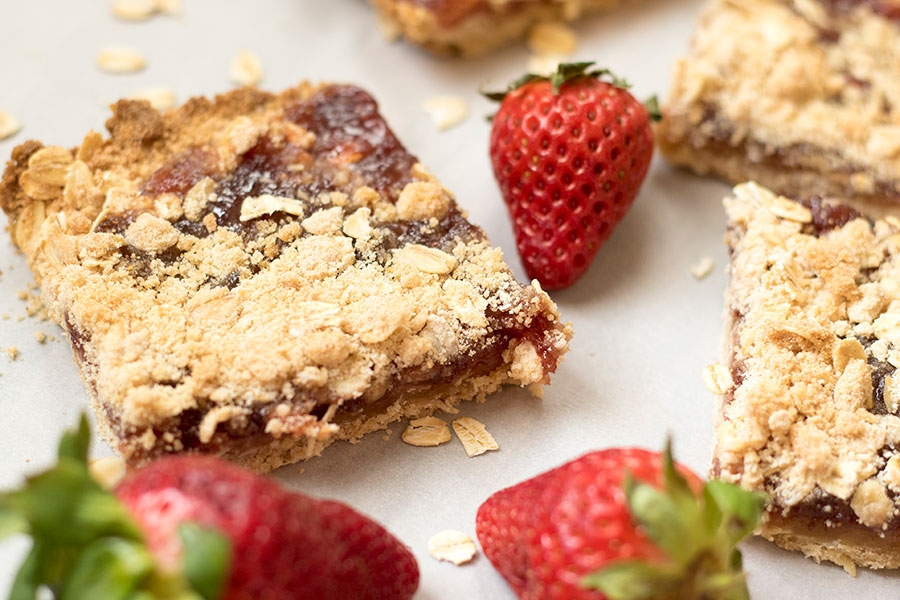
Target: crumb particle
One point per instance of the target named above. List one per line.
(446, 111)
(9, 125)
(452, 546)
(13, 352)
(120, 59)
(702, 267)
(474, 437)
(246, 69)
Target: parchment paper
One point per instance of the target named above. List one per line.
(644, 327)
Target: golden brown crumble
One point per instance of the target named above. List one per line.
(801, 97)
(474, 27)
(815, 337)
(203, 312)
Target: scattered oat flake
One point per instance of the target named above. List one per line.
(474, 437)
(544, 64)
(452, 546)
(717, 379)
(702, 267)
(169, 7)
(427, 431)
(160, 98)
(388, 27)
(13, 352)
(246, 69)
(552, 37)
(120, 59)
(256, 206)
(9, 125)
(40, 336)
(133, 10)
(446, 111)
(107, 471)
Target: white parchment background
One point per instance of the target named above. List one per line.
(644, 328)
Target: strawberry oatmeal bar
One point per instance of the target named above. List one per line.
(474, 27)
(802, 96)
(258, 275)
(810, 397)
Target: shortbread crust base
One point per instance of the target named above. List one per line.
(734, 166)
(479, 33)
(272, 452)
(846, 546)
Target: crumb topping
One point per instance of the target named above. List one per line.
(786, 75)
(812, 419)
(262, 261)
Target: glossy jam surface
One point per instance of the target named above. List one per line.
(828, 215)
(181, 172)
(886, 8)
(251, 431)
(451, 12)
(353, 147)
(351, 139)
(349, 129)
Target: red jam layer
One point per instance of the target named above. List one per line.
(886, 8)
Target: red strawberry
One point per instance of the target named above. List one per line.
(570, 153)
(193, 528)
(620, 524)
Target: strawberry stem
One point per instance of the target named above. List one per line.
(698, 535)
(564, 73)
(653, 110)
(86, 544)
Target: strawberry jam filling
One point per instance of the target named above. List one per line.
(886, 8)
(803, 157)
(353, 147)
(449, 13)
(821, 506)
(250, 432)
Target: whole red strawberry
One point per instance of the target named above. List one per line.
(570, 153)
(285, 545)
(196, 528)
(619, 524)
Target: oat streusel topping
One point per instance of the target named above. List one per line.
(816, 336)
(807, 85)
(266, 264)
(474, 27)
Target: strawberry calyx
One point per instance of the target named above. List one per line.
(697, 534)
(567, 72)
(86, 544)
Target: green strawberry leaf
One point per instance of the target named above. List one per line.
(109, 568)
(632, 580)
(65, 505)
(11, 522)
(27, 581)
(729, 586)
(74, 444)
(712, 515)
(741, 510)
(653, 110)
(659, 516)
(86, 543)
(698, 533)
(207, 559)
(564, 73)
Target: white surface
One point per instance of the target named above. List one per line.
(644, 327)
